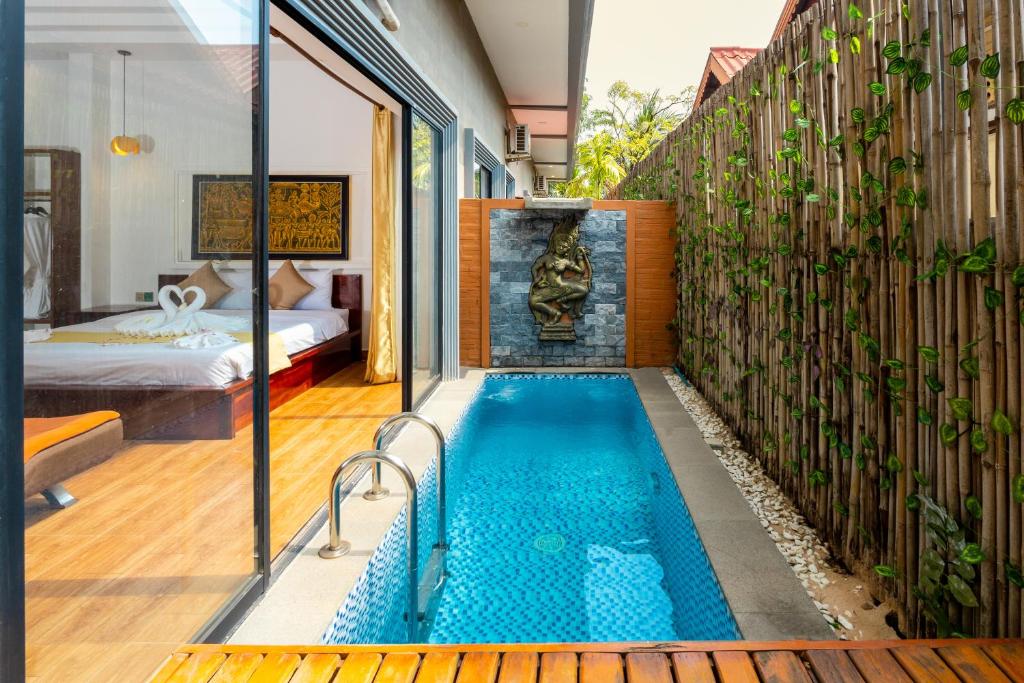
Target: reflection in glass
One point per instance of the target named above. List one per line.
(426, 277)
(138, 356)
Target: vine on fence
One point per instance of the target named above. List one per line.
(820, 262)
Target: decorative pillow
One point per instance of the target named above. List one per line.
(287, 287)
(320, 298)
(206, 278)
(240, 298)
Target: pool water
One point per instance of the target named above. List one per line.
(565, 525)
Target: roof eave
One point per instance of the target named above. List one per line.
(581, 17)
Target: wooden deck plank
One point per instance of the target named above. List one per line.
(601, 667)
(438, 667)
(692, 667)
(734, 667)
(781, 666)
(277, 667)
(922, 664)
(518, 667)
(648, 667)
(199, 668)
(833, 665)
(878, 665)
(359, 667)
(238, 667)
(478, 667)
(972, 664)
(317, 668)
(1009, 657)
(398, 667)
(558, 667)
(168, 667)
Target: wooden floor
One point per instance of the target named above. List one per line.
(746, 662)
(162, 534)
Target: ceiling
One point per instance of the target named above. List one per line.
(538, 51)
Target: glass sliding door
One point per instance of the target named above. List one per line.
(425, 252)
(139, 217)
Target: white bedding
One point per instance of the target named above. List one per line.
(164, 365)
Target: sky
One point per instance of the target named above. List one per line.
(664, 43)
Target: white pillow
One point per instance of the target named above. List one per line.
(320, 298)
(240, 296)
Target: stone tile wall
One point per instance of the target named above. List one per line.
(518, 237)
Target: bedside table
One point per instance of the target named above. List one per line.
(88, 315)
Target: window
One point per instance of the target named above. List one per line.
(426, 258)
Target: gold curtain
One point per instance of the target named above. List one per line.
(382, 358)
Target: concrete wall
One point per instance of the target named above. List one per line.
(517, 238)
(441, 38)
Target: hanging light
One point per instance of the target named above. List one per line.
(124, 145)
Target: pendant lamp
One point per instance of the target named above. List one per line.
(124, 145)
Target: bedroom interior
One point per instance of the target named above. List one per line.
(143, 515)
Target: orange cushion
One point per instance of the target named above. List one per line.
(43, 432)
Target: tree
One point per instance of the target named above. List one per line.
(625, 131)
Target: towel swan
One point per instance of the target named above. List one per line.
(179, 320)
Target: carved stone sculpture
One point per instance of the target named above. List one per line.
(561, 282)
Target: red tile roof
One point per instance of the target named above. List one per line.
(723, 63)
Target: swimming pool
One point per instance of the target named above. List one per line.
(565, 525)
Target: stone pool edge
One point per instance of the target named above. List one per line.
(764, 595)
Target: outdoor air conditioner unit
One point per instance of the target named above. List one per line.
(518, 143)
(540, 186)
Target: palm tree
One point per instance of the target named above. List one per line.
(597, 167)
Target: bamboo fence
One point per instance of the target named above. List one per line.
(849, 270)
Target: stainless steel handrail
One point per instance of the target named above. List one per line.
(338, 547)
(377, 491)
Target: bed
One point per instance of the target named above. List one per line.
(163, 392)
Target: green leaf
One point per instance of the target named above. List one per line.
(920, 478)
(897, 165)
(1018, 276)
(893, 464)
(962, 592)
(1017, 488)
(820, 268)
(947, 434)
(854, 12)
(964, 98)
(973, 264)
(961, 408)
(1001, 423)
(1013, 573)
(973, 506)
(896, 66)
(958, 57)
(829, 33)
(972, 554)
(877, 88)
(795, 106)
(929, 353)
(858, 115)
(990, 66)
(855, 45)
(986, 249)
(885, 571)
(993, 298)
(913, 502)
(978, 441)
(892, 49)
(971, 366)
(922, 81)
(1015, 110)
(923, 416)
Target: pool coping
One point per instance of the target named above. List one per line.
(765, 596)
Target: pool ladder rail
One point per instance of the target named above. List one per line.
(424, 595)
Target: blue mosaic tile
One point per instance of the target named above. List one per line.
(565, 524)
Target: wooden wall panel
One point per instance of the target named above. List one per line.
(649, 341)
(470, 304)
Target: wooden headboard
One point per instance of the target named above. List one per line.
(346, 292)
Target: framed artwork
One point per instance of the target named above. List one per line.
(308, 218)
